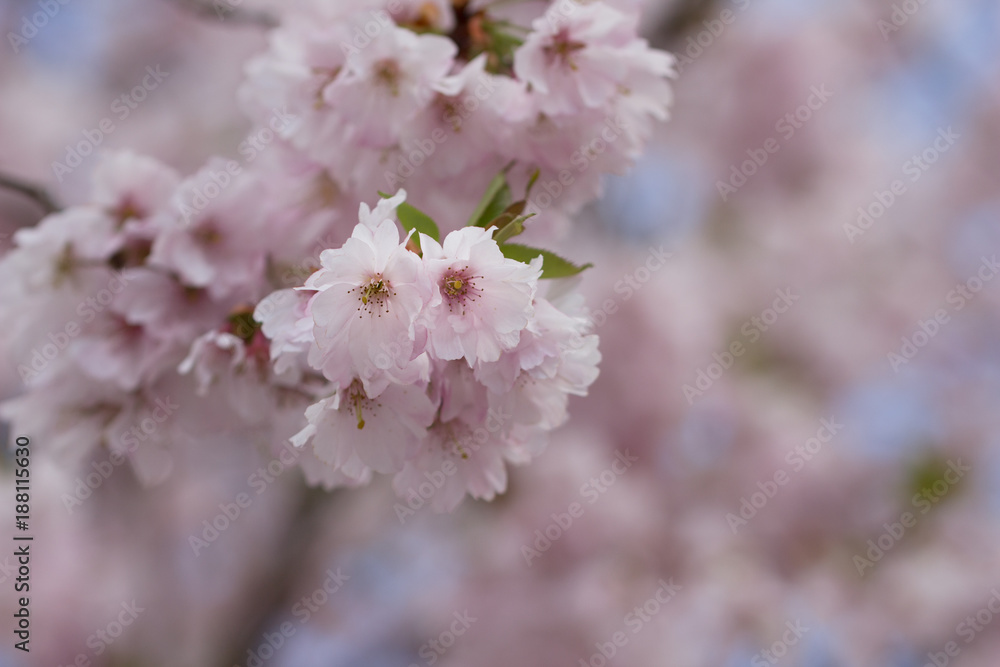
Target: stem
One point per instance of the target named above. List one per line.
(36, 193)
(274, 589)
(224, 10)
(676, 26)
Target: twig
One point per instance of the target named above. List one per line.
(34, 192)
(274, 588)
(686, 14)
(225, 10)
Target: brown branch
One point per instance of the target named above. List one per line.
(36, 193)
(272, 591)
(685, 15)
(224, 10)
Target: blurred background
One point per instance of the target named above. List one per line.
(806, 393)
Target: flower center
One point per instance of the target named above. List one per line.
(387, 73)
(358, 401)
(458, 287)
(453, 438)
(563, 47)
(454, 286)
(374, 295)
(207, 235)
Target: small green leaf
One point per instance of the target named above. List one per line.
(511, 229)
(531, 182)
(553, 266)
(494, 201)
(243, 325)
(495, 207)
(412, 217)
(508, 214)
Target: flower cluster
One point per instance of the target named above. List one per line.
(234, 296)
(437, 98)
(445, 362)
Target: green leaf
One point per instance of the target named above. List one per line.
(500, 46)
(494, 201)
(412, 217)
(495, 207)
(243, 325)
(505, 217)
(511, 229)
(553, 266)
(531, 182)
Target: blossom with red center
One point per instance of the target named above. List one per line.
(483, 299)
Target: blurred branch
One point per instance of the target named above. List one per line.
(34, 192)
(273, 590)
(225, 10)
(685, 15)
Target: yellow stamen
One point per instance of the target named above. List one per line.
(357, 409)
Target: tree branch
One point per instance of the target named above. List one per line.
(686, 15)
(273, 590)
(225, 10)
(36, 193)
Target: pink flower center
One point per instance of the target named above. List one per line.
(207, 235)
(358, 402)
(373, 296)
(562, 48)
(452, 437)
(387, 73)
(458, 287)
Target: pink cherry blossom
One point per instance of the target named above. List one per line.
(356, 433)
(212, 241)
(581, 56)
(483, 299)
(384, 85)
(369, 294)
